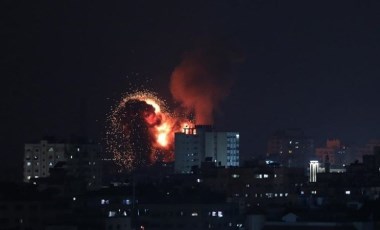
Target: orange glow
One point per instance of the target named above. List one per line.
(155, 140)
(163, 126)
(155, 105)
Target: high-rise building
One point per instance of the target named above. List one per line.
(83, 160)
(291, 148)
(196, 145)
(40, 157)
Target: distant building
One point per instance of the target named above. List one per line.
(336, 152)
(196, 145)
(40, 157)
(368, 149)
(83, 161)
(290, 147)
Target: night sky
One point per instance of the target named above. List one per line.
(313, 65)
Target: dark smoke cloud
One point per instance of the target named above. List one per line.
(139, 139)
(203, 79)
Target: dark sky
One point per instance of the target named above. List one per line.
(313, 65)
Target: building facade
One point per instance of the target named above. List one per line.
(196, 145)
(83, 160)
(336, 152)
(291, 148)
(40, 157)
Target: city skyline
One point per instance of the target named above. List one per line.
(295, 65)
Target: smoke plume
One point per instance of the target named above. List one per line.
(202, 80)
(132, 116)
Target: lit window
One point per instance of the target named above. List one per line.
(78, 149)
(265, 175)
(235, 175)
(348, 192)
(103, 201)
(314, 192)
(199, 180)
(28, 177)
(220, 214)
(28, 163)
(74, 198)
(302, 192)
(50, 164)
(213, 214)
(127, 202)
(194, 214)
(111, 213)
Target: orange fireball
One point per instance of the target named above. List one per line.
(159, 123)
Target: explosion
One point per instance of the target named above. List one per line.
(141, 130)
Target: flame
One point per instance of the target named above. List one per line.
(162, 125)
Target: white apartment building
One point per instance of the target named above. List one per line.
(196, 145)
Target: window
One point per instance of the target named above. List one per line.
(235, 175)
(111, 213)
(127, 202)
(103, 201)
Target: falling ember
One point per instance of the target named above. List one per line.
(141, 130)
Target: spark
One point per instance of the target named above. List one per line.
(141, 130)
